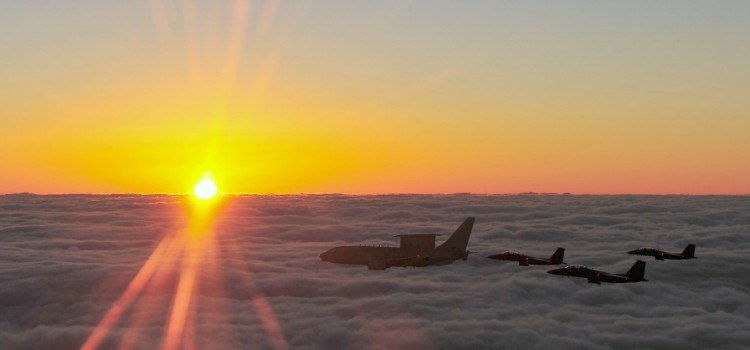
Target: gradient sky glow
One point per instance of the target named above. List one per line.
(375, 96)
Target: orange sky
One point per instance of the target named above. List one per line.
(375, 97)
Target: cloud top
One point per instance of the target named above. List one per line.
(65, 260)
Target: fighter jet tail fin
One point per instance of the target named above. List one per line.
(557, 256)
(459, 240)
(637, 272)
(689, 251)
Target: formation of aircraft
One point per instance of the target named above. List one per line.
(635, 274)
(413, 250)
(687, 253)
(525, 260)
(419, 250)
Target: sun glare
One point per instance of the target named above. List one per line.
(205, 189)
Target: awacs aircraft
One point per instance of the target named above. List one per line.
(635, 274)
(414, 250)
(688, 253)
(525, 260)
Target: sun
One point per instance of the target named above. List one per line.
(205, 189)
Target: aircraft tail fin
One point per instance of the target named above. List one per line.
(637, 271)
(459, 240)
(557, 256)
(689, 251)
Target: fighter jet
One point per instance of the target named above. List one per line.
(414, 250)
(525, 260)
(635, 274)
(688, 253)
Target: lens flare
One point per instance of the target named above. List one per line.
(205, 189)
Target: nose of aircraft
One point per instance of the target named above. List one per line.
(635, 251)
(323, 256)
(556, 271)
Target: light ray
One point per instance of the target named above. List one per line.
(271, 326)
(128, 296)
(176, 327)
(193, 255)
(270, 323)
(193, 251)
(158, 284)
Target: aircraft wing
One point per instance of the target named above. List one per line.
(417, 260)
(377, 265)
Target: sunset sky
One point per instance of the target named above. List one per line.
(375, 96)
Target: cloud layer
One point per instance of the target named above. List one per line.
(65, 260)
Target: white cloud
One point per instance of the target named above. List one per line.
(64, 260)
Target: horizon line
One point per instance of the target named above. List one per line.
(529, 193)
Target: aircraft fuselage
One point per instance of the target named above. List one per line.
(414, 250)
(595, 276)
(523, 260)
(380, 258)
(364, 255)
(658, 254)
